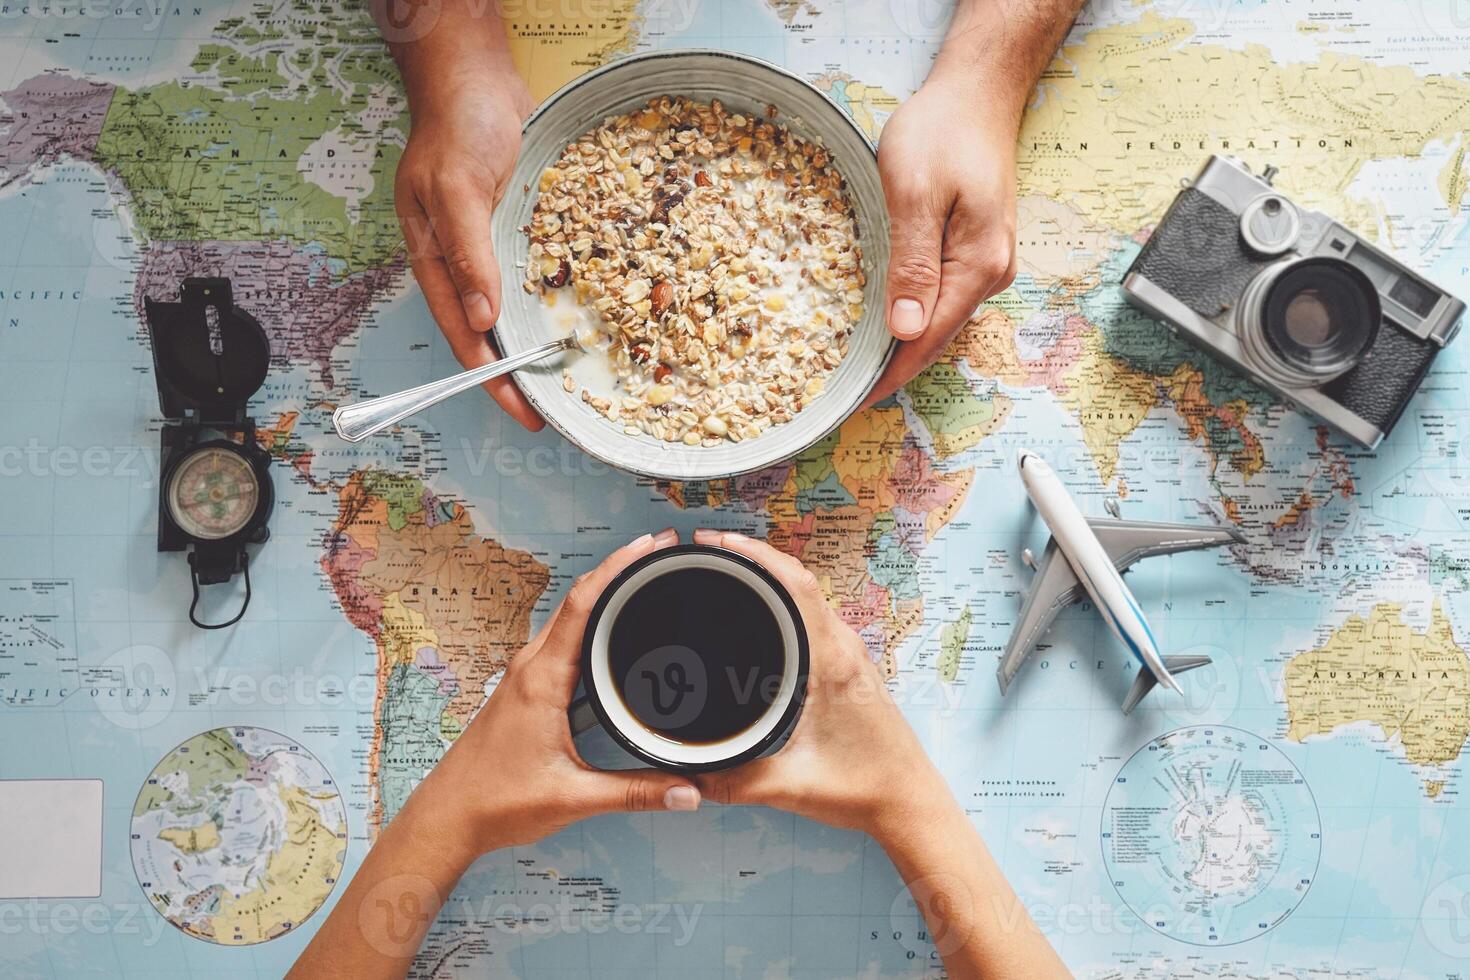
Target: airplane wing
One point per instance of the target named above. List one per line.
(1127, 542)
(1053, 587)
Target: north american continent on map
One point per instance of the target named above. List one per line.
(269, 161)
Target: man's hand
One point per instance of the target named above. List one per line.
(466, 134)
(948, 164)
(948, 161)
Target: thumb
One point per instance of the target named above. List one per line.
(463, 231)
(914, 262)
(760, 781)
(635, 791)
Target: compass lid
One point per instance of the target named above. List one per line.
(209, 356)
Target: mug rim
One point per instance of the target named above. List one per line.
(789, 714)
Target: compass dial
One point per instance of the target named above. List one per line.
(213, 493)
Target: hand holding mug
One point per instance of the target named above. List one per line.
(853, 761)
(514, 776)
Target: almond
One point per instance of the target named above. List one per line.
(702, 179)
(663, 297)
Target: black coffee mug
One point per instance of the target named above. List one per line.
(695, 659)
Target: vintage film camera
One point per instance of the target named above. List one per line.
(1303, 306)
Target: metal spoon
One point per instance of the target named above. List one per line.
(359, 420)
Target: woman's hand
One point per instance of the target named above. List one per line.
(454, 172)
(513, 776)
(948, 162)
(853, 760)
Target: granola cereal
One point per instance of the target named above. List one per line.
(718, 252)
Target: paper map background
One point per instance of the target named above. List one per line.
(141, 144)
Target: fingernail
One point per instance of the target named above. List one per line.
(712, 537)
(477, 311)
(681, 798)
(639, 541)
(906, 319)
(665, 538)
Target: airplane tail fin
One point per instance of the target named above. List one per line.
(1146, 680)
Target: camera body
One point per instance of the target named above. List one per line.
(1302, 305)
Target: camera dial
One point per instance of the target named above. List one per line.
(1306, 321)
(1269, 225)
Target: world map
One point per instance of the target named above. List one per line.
(142, 144)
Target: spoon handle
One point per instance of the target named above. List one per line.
(359, 420)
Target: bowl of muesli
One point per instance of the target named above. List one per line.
(713, 230)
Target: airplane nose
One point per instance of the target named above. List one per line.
(1021, 456)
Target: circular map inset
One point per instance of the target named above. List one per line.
(239, 835)
(1210, 835)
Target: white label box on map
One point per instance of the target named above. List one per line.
(50, 838)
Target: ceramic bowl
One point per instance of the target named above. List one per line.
(746, 85)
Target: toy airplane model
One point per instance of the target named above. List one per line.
(1085, 556)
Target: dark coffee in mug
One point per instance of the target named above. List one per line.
(697, 655)
(694, 659)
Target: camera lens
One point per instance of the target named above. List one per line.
(1320, 315)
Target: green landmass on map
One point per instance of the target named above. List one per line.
(952, 640)
(202, 165)
(206, 761)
